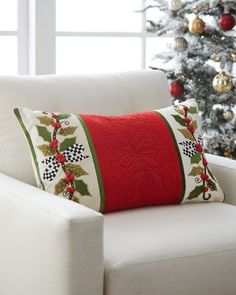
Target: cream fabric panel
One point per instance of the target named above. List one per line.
(117, 93)
(48, 245)
(171, 250)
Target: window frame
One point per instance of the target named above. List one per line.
(21, 34)
(22, 37)
(43, 58)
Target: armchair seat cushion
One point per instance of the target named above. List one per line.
(171, 250)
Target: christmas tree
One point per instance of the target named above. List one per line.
(200, 63)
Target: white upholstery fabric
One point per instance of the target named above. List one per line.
(102, 94)
(48, 245)
(225, 171)
(171, 250)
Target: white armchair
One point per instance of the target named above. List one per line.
(52, 246)
(48, 245)
(224, 169)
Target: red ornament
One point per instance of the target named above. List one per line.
(60, 158)
(198, 147)
(53, 144)
(56, 125)
(227, 22)
(176, 88)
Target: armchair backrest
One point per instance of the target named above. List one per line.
(117, 93)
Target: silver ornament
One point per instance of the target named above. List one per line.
(222, 83)
(175, 5)
(180, 44)
(228, 115)
(233, 56)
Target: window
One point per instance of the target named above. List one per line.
(8, 37)
(74, 36)
(108, 37)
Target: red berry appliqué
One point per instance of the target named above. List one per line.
(204, 162)
(60, 158)
(198, 147)
(190, 129)
(205, 189)
(185, 108)
(204, 176)
(187, 120)
(69, 177)
(70, 189)
(53, 144)
(54, 116)
(56, 125)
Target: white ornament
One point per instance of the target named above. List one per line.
(175, 5)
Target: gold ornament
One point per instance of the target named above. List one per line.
(180, 44)
(222, 83)
(228, 154)
(197, 25)
(228, 115)
(175, 5)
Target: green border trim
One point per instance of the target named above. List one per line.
(27, 135)
(178, 153)
(96, 163)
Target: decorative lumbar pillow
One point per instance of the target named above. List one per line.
(111, 163)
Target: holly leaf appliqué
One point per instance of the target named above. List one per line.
(44, 133)
(63, 116)
(46, 150)
(82, 188)
(211, 184)
(60, 187)
(67, 143)
(195, 192)
(67, 130)
(187, 134)
(193, 110)
(45, 120)
(196, 171)
(196, 158)
(179, 120)
(76, 170)
(194, 124)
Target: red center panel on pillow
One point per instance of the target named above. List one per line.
(138, 159)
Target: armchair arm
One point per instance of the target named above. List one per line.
(48, 245)
(225, 171)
